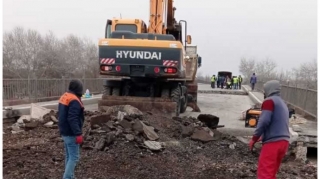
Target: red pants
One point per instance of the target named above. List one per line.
(270, 159)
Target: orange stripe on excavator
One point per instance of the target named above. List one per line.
(140, 43)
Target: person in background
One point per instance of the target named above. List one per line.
(273, 130)
(239, 81)
(228, 80)
(218, 81)
(71, 118)
(235, 82)
(231, 79)
(213, 81)
(222, 81)
(253, 81)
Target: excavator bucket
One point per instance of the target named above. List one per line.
(144, 104)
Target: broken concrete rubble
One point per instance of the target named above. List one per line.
(125, 124)
(48, 124)
(31, 125)
(153, 145)
(38, 112)
(149, 132)
(121, 115)
(99, 119)
(296, 128)
(24, 119)
(187, 131)
(201, 135)
(37, 115)
(130, 137)
(171, 156)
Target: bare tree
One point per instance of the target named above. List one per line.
(305, 76)
(247, 67)
(27, 54)
(265, 69)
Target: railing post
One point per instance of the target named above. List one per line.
(63, 85)
(36, 89)
(29, 91)
(84, 84)
(305, 100)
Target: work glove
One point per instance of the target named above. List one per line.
(79, 139)
(253, 140)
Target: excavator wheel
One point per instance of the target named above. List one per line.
(106, 90)
(175, 95)
(183, 106)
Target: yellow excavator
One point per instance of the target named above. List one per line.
(150, 68)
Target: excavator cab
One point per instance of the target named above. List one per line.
(131, 25)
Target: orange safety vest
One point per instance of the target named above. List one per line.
(67, 97)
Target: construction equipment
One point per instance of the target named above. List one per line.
(149, 67)
(252, 117)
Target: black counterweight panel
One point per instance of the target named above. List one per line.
(140, 55)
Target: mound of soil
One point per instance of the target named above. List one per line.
(39, 153)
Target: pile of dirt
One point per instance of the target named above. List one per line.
(128, 124)
(116, 149)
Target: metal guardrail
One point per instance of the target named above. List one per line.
(23, 91)
(305, 99)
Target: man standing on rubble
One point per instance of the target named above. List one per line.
(273, 126)
(71, 118)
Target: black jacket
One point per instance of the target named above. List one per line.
(71, 110)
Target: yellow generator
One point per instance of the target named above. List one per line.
(252, 117)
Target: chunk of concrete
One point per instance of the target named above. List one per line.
(153, 145)
(137, 126)
(293, 135)
(31, 125)
(187, 131)
(201, 135)
(120, 115)
(54, 119)
(209, 131)
(100, 144)
(24, 119)
(15, 127)
(233, 145)
(125, 124)
(49, 124)
(149, 132)
(99, 119)
(37, 112)
(110, 138)
(130, 110)
(301, 152)
(129, 137)
(296, 128)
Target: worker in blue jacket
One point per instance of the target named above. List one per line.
(71, 118)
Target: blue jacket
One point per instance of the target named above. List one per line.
(273, 124)
(71, 115)
(253, 79)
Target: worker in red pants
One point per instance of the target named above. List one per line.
(273, 128)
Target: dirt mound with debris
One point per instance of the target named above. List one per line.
(124, 144)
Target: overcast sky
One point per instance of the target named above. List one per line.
(223, 30)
